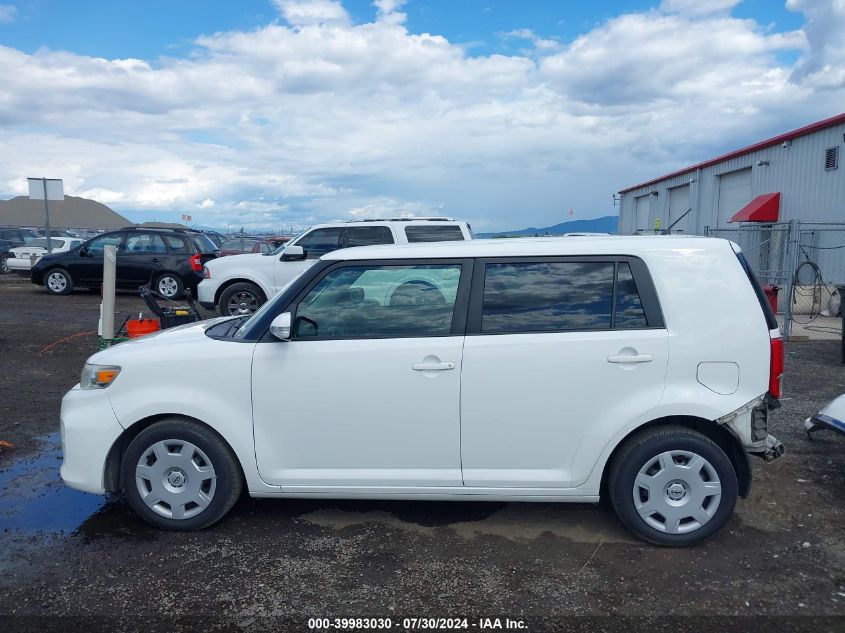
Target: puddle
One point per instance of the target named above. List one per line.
(33, 497)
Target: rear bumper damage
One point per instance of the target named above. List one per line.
(750, 425)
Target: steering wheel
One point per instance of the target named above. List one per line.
(417, 292)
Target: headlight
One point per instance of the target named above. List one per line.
(98, 376)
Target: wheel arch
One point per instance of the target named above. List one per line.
(111, 471)
(237, 280)
(718, 433)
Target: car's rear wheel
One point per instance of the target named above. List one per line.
(180, 475)
(58, 282)
(169, 286)
(672, 486)
(4, 265)
(241, 299)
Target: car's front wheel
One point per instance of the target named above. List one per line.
(58, 282)
(241, 299)
(180, 475)
(4, 265)
(672, 486)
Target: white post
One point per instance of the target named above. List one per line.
(109, 274)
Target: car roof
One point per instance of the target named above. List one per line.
(403, 221)
(531, 247)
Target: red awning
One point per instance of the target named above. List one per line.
(765, 208)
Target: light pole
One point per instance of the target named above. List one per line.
(46, 189)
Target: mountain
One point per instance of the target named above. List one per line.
(606, 224)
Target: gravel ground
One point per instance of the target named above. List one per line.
(275, 563)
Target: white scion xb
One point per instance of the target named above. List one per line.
(643, 368)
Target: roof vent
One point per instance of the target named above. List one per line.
(831, 158)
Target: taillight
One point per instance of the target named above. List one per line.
(776, 367)
(206, 273)
(196, 263)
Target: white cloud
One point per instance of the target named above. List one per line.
(388, 11)
(323, 119)
(542, 44)
(698, 7)
(312, 12)
(8, 13)
(824, 65)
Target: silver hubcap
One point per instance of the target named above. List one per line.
(175, 479)
(243, 303)
(56, 282)
(168, 287)
(677, 492)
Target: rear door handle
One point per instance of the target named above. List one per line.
(155, 260)
(432, 366)
(637, 358)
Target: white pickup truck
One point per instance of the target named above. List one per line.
(240, 284)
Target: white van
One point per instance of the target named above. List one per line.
(643, 368)
(240, 284)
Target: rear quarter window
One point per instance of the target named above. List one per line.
(434, 233)
(203, 243)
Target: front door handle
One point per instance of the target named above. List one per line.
(432, 366)
(625, 358)
(155, 260)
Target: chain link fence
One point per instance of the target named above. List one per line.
(804, 260)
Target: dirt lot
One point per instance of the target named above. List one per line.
(273, 564)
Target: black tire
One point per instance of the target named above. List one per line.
(643, 449)
(4, 267)
(169, 286)
(53, 281)
(253, 297)
(228, 481)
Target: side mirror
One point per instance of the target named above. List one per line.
(280, 327)
(83, 251)
(293, 254)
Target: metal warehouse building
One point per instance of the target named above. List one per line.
(797, 175)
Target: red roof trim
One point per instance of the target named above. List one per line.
(775, 140)
(765, 208)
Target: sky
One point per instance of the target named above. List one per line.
(505, 113)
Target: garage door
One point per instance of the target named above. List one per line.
(678, 205)
(734, 193)
(642, 213)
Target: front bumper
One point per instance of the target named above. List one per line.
(89, 430)
(206, 290)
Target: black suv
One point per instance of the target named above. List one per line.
(168, 259)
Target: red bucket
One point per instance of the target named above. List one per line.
(140, 327)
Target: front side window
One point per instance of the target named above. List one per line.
(320, 241)
(380, 301)
(434, 233)
(547, 297)
(368, 235)
(98, 244)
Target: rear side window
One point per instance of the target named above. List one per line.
(560, 296)
(629, 307)
(203, 243)
(434, 233)
(547, 297)
(771, 320)
(368, 235)
(174, 243)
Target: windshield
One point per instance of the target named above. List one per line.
(280, 249)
